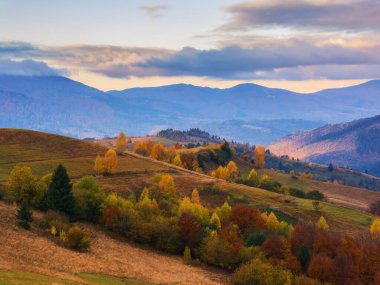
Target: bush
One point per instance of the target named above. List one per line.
(255, 238)
(78, 238)
(315, 195)
(260, 273)
(57, 220)
(89, 197)
(297, 193)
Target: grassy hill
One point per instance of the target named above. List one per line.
(44, 151)
(36, 256)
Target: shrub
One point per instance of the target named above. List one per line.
(89, 196)
(24, 216)
(255, 238)
(22, 183)
(78, 238)
(57, 220)
(297, 193)
(315, 195)
(260, 273)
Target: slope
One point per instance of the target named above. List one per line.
(135, 172)
(354, 144)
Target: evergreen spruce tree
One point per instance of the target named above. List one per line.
(60, 196)
(24, 215)
(304, 257)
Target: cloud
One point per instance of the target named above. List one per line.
(154, 10)
(28, 68)
(267, 59)
(327, 15)
(235, 62)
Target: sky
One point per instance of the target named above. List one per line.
(301, 45)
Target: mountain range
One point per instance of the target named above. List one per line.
(246, 112)
(355, 144)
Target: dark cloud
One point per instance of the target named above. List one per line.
(352, 15)
(28, 68)
(235, 62)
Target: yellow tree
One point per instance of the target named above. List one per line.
(322, 225)
(272, 222)
(195, 197)
(177, 161)
(171, 154)
(224, 211)
(215, 222)
(253, 177)
(99, 165)
(158, 152)
(259, 156)
(166, 185)
(121, 143)
(233, 171)
(22, 183)
(141, 148)
(375, 229)
(110, 161)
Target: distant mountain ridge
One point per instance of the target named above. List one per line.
(246, 112)
(354, 144)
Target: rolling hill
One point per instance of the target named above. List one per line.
(247, 112)
(47, 260)
(354, 145)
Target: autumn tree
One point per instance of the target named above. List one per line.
(259, 156)
(177, 161)
(322, 225)
(141, 148)
(110, 161)
(195, 197)
(24, 215)
(21, 183)
(245, 217)
(167, 187)
(215, 223)
(189, 229)
(121, 143)
(99, 165)
(277, 246)
(375, 229)
(158, 152)
(233, 171)
(253, 178)
(272, 222)
(60, 196)
(322, 267)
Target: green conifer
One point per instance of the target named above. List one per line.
(24, 215)
(60, 196)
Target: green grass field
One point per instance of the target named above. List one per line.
(17, 277)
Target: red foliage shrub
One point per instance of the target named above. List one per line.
(322, 268)
(246, 217)
(110, 216)
(231, 235)
(276, 246)
(303, 234)
(189, 229)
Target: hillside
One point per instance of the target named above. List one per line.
(353, 145)
(38, 253)
(247, 112)
(108, 252)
